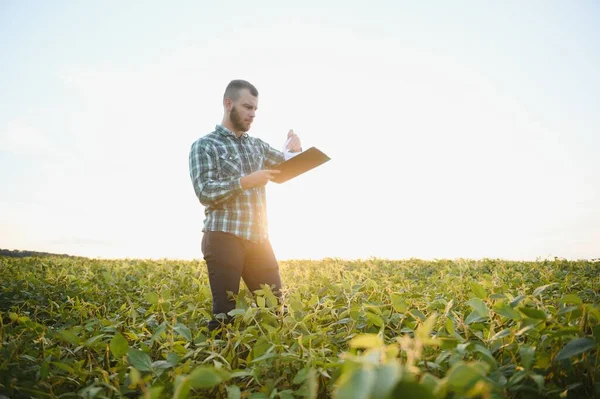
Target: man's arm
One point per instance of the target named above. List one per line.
(274, 157)
(209, 189)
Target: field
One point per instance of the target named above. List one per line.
(376, 329)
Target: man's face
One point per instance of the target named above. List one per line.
(243, 111)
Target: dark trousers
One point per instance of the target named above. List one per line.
(228, 258)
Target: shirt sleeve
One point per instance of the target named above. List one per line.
(209, 189)
(272, 156)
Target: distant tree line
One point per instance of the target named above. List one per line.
(16, 253)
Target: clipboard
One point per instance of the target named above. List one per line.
(299, 164)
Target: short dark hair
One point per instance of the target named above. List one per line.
(235, 86)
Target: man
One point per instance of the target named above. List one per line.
(229, 170)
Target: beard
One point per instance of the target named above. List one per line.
(236, 120)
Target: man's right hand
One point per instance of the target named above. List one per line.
(258, 179)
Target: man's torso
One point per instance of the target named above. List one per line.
(243, 214)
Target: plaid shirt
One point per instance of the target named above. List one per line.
(217, 163)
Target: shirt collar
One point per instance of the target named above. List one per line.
(226, 132)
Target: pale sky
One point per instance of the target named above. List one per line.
(462, 129)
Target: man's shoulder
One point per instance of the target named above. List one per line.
(208, 140)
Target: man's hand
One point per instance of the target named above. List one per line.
(258, 179)
(294, 145)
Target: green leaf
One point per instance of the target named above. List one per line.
(575, 347)
(44, 369)
(64, 367)
(161, 365)
(430, 381)
(448, 307)
(461, 377)
(155, 392)
(243, 373)
(449, 324)
(260, 301)
(517, 300)
(501, 334)
(29, 358)
(300, 376)
(233, 392)
(158, 332)
(417, 314)
(571, 298)
(541, 289)
(152, 297)
(260, 347)
(539, 380)
(295, 305)
(366, 341)
(90, 391)
(386, 376)
(286, 394)
(533, 313)
(399, 303)
(504, 309)
(312, 384)
(173, 358)
(412, 390)
(479, 306)
(375, 319)
(527, 356)
(525, 329)
(268, 355)
(517, 378)
(356, 385)
(478, 290)
(236, 312)
(118, 345)
(475, 317)
(134, 376)
(207, 377)
(425, 329)
(272, 300)
(90, 342)
(183, 387)
(182, 330)
(140, 360)
(568, 309)
(594, 312)
(68, 336)
(486, 355)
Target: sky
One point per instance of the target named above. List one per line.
(458, 129)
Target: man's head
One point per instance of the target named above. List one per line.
(240, 103)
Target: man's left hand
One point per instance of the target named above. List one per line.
(294, 145)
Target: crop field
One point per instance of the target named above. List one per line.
(73, 327)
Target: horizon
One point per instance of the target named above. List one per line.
(200, 259)
(455, 131)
